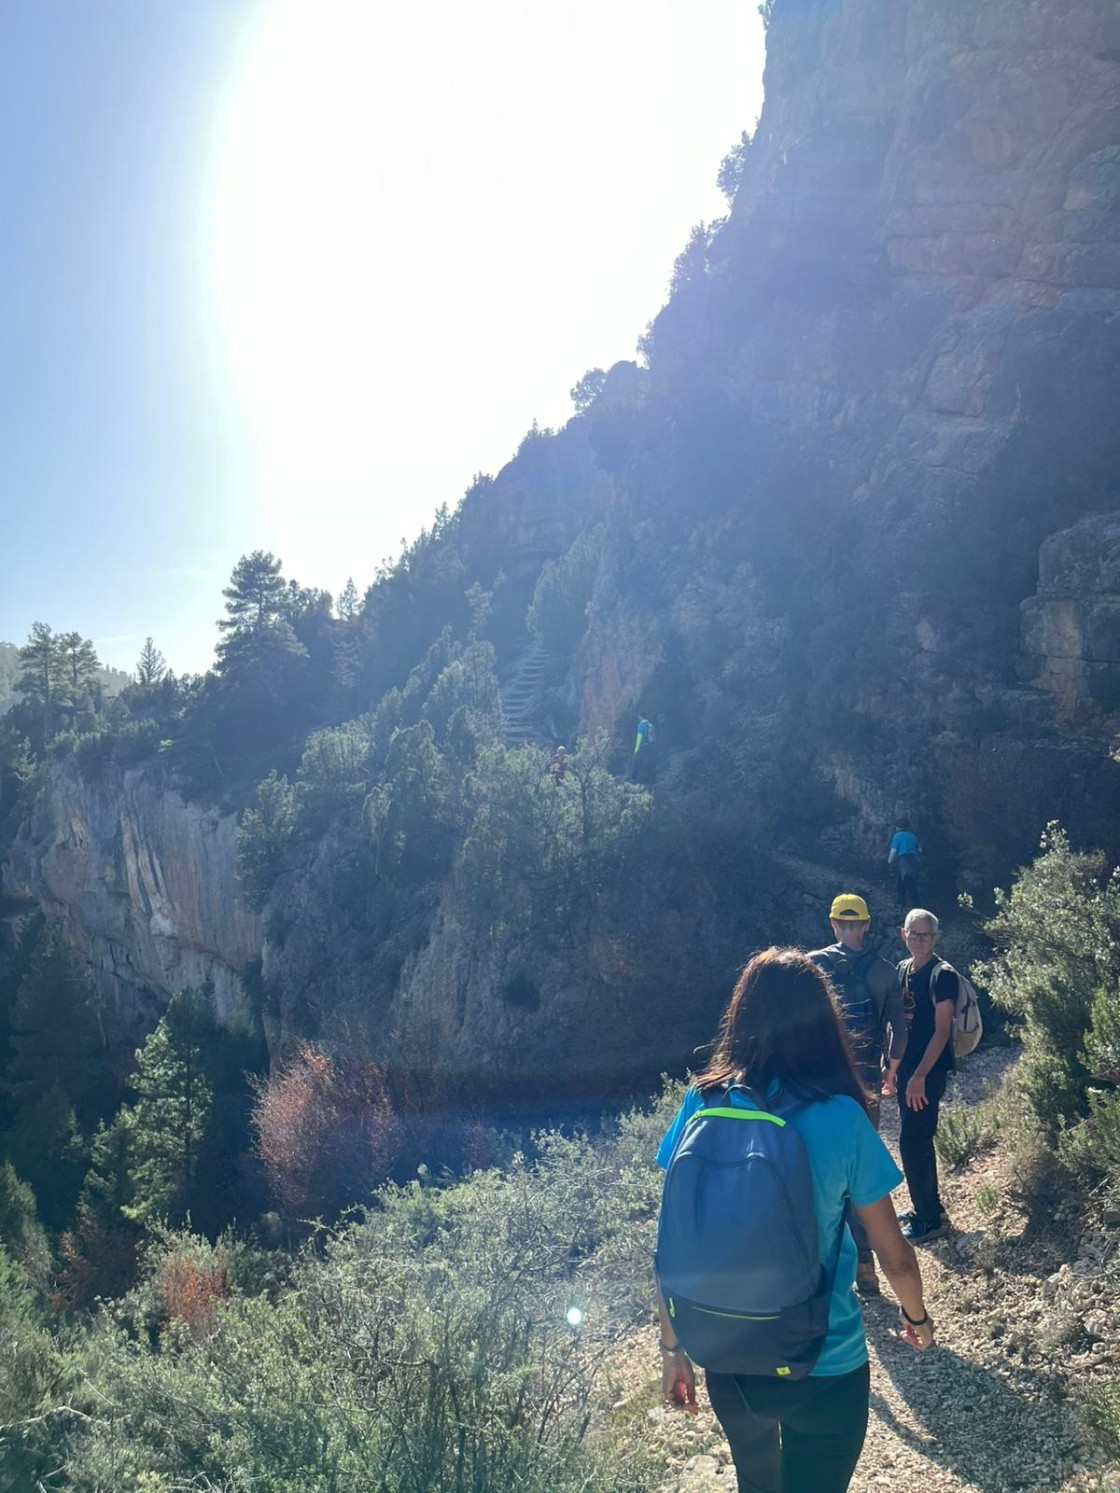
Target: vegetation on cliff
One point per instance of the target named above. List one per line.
(475, 1333)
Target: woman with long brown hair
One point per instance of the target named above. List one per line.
(782, 1046)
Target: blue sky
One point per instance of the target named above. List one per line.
(287, 273)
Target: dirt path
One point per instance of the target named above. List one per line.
(1022, 1318)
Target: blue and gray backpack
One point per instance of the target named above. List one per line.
(738, 1247)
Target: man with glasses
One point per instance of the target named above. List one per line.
(929, 994)
(871, 1002)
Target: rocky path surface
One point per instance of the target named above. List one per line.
(1026, 1318)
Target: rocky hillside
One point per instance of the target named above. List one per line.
(857, 552)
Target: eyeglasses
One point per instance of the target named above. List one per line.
(918, 937)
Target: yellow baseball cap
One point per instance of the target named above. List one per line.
(849, 908)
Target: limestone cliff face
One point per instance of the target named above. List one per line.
(909, 332)
(146, 885)
(1071, 627)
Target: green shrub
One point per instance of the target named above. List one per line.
(987, 1198)
(1058, 932)
(1092, 1147)
(427, 1346)
(263, 837)
(1102, 1041)
(1101, 1410)
(963, 1132)
(31, 1371)
(537, 854)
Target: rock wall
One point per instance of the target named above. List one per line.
(1071, 627)
(910, 327)
(147, 887)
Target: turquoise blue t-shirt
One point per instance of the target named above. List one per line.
(848, 1160)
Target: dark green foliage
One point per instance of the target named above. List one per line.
(537, 853)
(732, 166)
(58, 685)
(56, 1082)
(410, 814)
(691, 264)
(558, 613)
(21, 1233)
(335, 774)
(98, 1253)
(56, 1036)
(590, 386)
(263, 838)
(31, 1371)
(170, 1119)
(1058, 931)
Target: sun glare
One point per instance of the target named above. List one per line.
(411, 226)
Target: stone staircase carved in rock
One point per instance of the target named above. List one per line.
(522, 696)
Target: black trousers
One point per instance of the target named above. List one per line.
(907, 879)
(916, 1130)
(801, 1437)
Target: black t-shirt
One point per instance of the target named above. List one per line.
(919, 1007)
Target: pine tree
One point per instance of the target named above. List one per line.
(56, 1081)
(79, 662)
(348, 601)
(98, 1255)
(256, 595)
(151, 666)
(43, 673)
(345, 641)
(171, 1113)
(56, 1039)
(260, 640)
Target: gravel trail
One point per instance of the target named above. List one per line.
(1024, 1318)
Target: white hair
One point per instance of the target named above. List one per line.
(916, 914)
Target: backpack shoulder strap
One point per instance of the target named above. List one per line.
(863, 960)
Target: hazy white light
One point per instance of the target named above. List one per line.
(427, 221)
(575, 1316)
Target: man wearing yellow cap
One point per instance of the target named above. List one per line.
(871, 999)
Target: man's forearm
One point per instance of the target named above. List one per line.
(932, 1053)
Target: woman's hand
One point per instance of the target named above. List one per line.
(918, 1334)
(678, 1381)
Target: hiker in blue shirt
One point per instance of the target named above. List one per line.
(782, 1039)
(904, 856)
